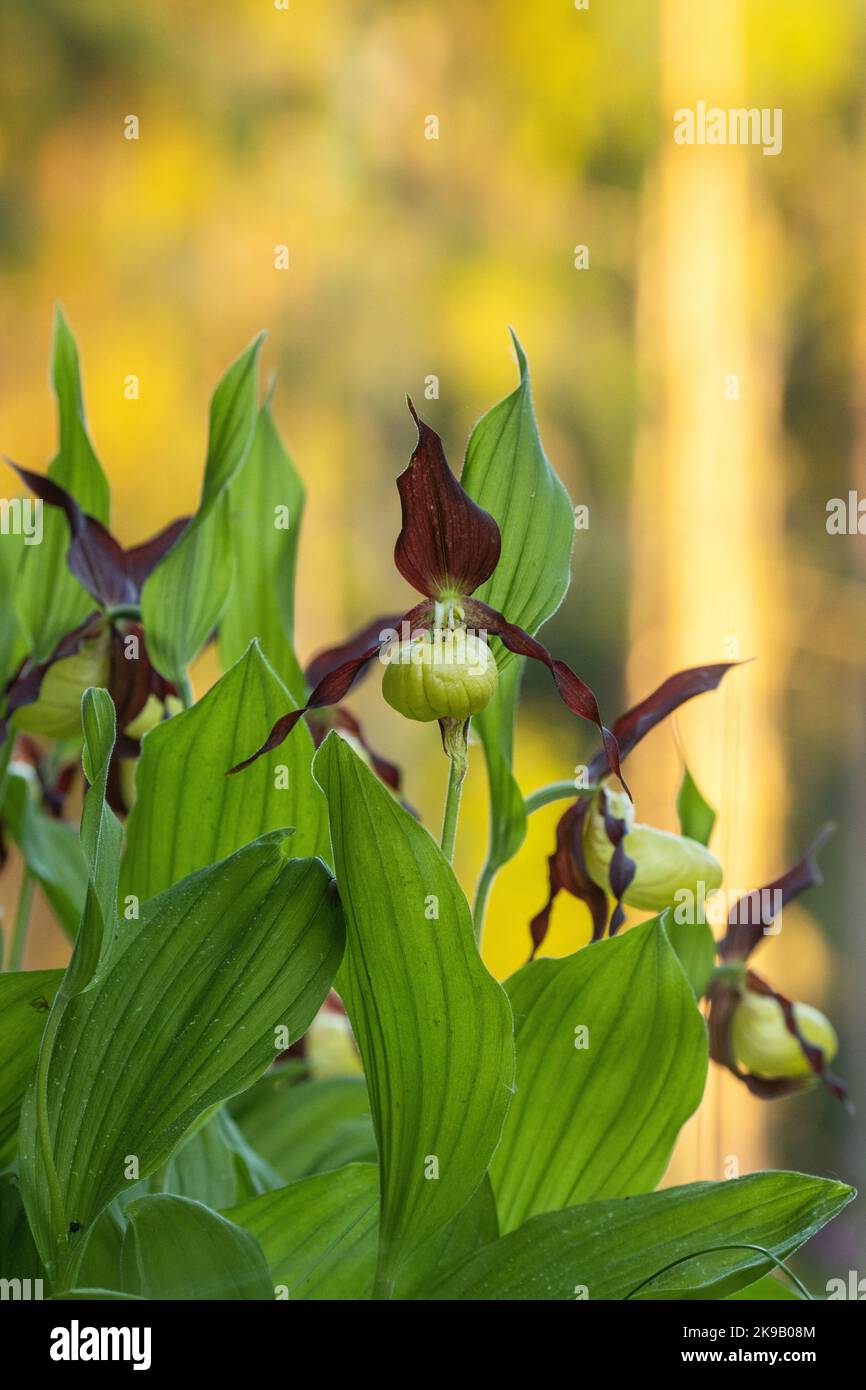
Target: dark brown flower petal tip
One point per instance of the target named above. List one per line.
(447, 545)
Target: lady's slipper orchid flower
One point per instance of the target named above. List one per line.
(447, 547)
(663, 863)
(599, 849)
(45, 697)
(772, 1044)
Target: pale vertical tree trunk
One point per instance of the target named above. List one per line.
(706, 527)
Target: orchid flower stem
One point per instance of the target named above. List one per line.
(184, 690)
(22, 920)
(125, 610)
(556, 791)
(452, 807)
(482, 893)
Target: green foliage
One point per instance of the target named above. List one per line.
(597, 1110)
(503, 1142)
(508, 473)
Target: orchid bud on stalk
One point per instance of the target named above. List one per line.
(664, 864)
(446, 674)
(764, 1045)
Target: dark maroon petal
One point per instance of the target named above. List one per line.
(143, 559)
(575, 693)
(814, 1055)
(621, 869)
(638, 721)
(447, 543)
(333, 657)
(24, 687)
(94, 556)
(332, 687)
(567, 873)
(749, 916)
(131, 680)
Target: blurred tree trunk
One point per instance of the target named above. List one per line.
(707, 546)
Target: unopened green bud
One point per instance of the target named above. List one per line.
(57, 712)
(666, 864)
(763, 1044)
(446, 674)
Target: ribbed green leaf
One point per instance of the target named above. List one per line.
(266, 504)
(216, 1165)
(319, 1235)
(188, 813)
(696, 815)
(433, 1027)
(50, 601)
(25, 999)
(101, 837)
(605, 1250)
(181, 1015)
(50, 848)
(307, 1128)
(508, 473)
(12, 643)
(186, 594)
(693, 941)
(611, 1061)
(175, 1248)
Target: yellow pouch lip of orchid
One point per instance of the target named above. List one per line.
(448, 674)
(666, 864)
(763, 1045)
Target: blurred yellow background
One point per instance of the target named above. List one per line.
(305, 127)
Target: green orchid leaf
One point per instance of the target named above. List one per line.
(216, 1166)
(696, 815)
(101, 838)
(508, 473)
(305, 1128)
(695, 946)
(19, 1258)
(185, 1011)
(473, 1227)
(50, 848)
(25, 1001)
(319, 1235)
(607, 1250)
(185, 595)
(266, 504)
(432, 1025)
(768, 1288)
(183, 764)
(611, 1061)
(175, 1248)
(51, 602)
(12, 643)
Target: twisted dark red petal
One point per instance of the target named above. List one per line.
(142, 560)
(747, 918)
(567, 873)
(110, 574)
(621, 869)
(333, 687)
(814, 1055)
(333, 657)
(447, 543)
(638, 721)
(574, 692)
